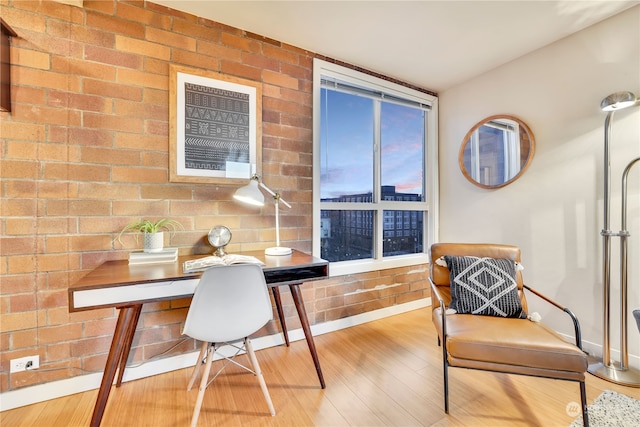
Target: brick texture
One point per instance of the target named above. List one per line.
(86, 149)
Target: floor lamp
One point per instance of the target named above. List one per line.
(251, 194)
(608, 370)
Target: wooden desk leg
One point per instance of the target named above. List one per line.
(131, 331)
(276, 298)
(304, 320)
(126, 318)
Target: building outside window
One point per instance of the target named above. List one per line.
(375, 171)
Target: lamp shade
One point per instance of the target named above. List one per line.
(250, 194)
(618, 101)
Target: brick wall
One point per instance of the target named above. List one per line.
(85, 150)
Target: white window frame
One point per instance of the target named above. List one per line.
(327, 69)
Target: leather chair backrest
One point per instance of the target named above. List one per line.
(440, 275)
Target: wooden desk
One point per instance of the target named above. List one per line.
(126, 287)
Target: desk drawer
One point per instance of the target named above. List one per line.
(111, 296)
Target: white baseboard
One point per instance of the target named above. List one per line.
(55, 389)
(595, 350)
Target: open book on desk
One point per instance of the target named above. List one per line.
(201, 264)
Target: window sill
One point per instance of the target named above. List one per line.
(362, 266)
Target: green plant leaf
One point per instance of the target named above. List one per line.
(148, 226)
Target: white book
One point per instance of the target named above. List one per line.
(201, 264)
(166, 255)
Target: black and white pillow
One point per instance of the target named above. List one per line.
(484, 286)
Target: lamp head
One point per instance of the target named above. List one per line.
(250, 193)
(618, 101)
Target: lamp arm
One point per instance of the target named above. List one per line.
(275, 195)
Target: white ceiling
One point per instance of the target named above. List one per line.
(431, 44)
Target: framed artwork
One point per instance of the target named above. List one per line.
(5, 65)
(215, 125)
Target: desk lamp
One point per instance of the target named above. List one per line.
(251, 195)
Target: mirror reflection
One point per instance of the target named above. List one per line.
(496, 151)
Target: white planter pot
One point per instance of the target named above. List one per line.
(153, 242)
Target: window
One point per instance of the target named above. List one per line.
(375, 171)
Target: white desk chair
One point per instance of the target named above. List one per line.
(230, 303)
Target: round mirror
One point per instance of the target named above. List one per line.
(496, 151)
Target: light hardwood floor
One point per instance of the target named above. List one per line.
(383, 373)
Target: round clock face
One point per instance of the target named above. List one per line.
(219, 236)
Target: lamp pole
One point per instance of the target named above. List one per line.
(606, 369)
(624, 235)
(277, 249)
(606, 247)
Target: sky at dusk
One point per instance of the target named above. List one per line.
(347, 145)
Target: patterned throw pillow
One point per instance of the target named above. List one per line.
(484, 286)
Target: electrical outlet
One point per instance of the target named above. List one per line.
(25, 364)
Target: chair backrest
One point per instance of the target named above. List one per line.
(440, 275)
(230, 303)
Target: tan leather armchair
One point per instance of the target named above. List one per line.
(500, 344)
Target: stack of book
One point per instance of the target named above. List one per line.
(202, 264)
(164, 256)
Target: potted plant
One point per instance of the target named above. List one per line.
(152, 232)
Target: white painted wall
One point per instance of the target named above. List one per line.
(554, 212)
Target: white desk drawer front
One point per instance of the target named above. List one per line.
(109, 296)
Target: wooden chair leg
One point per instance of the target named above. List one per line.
(256, 368)
(196, 368)
(203, 386)
(583, 398)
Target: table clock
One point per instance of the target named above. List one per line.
(219, 237)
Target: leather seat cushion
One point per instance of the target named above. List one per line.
(508, 341)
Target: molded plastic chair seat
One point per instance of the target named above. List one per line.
(229, 304)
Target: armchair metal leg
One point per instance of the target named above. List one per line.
(583, 398)
(445, 374)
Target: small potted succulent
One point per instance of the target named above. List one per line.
(152, 232)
